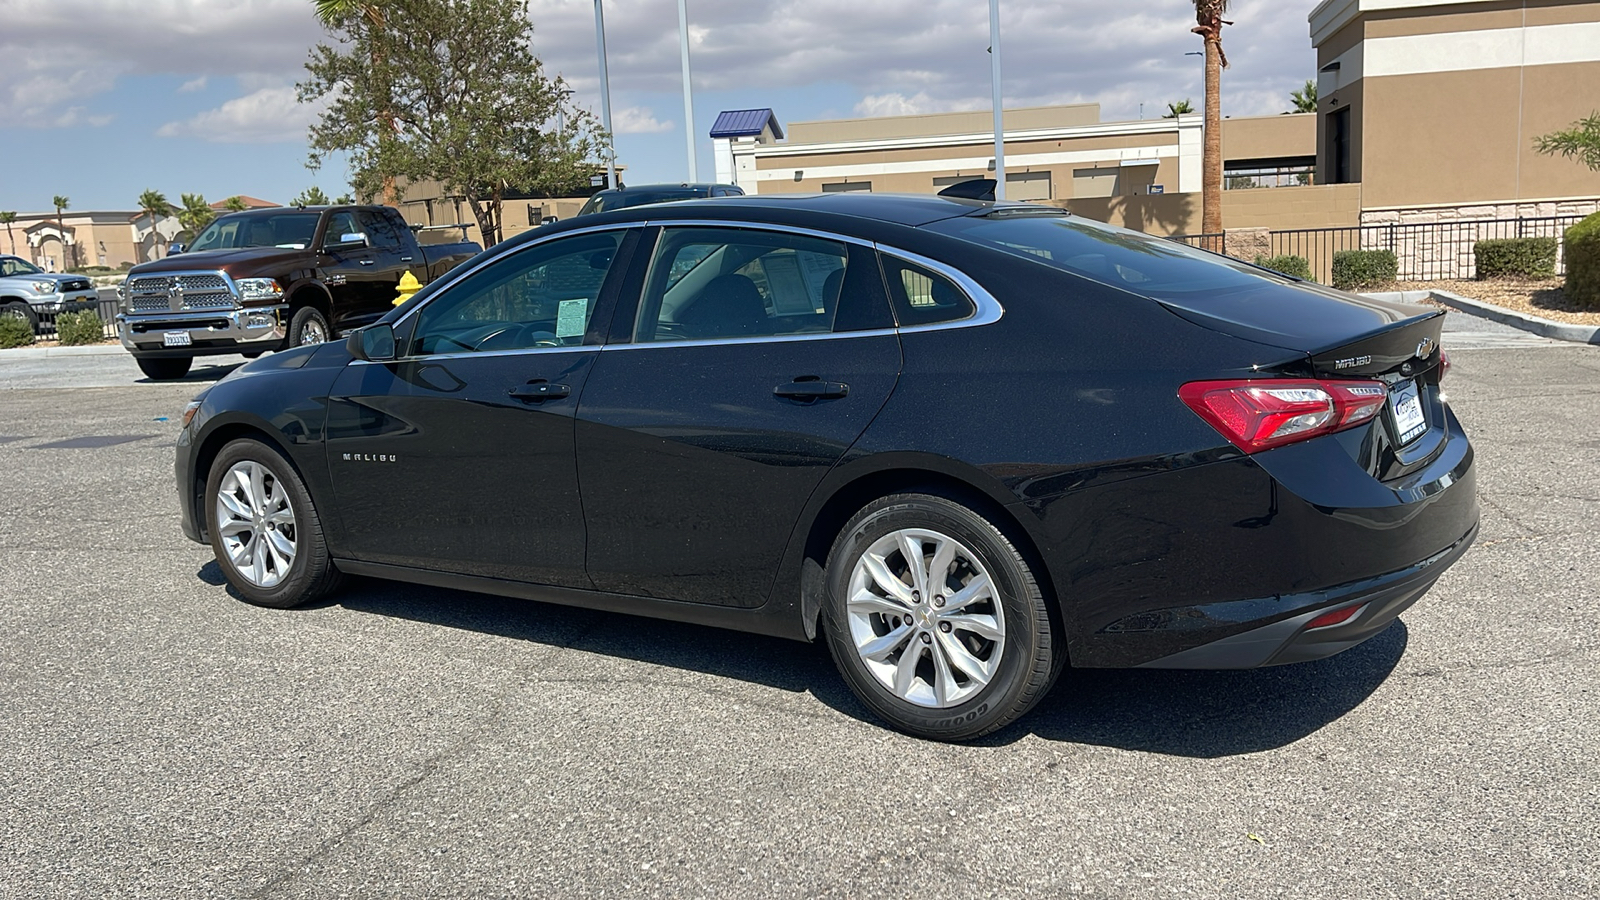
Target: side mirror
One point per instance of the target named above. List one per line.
(352, 241)
(548, 220)
(374, 343)
(175, 248)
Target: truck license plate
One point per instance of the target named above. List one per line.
(1409, 422)
(175, 339)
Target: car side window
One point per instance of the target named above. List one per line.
(924, 297)
(380, 230)
(710, 283)
(339, 225)
(539, 297)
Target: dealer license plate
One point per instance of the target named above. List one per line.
(1409, 422)
(175, 339)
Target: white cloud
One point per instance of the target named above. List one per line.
(192, 85)
(898, 104)
(638, 120)
(266, 116)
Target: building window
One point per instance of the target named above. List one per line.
(1339, 146)
(1095, 182)
(839, 186)
(1291, 171)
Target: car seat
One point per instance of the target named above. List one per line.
(729, 306)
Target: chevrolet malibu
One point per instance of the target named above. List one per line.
(966, 444)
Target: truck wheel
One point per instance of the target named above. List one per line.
(308, 326)
(23, 312)
(164, 368)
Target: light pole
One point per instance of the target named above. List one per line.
(999, 111)
(605, 95)
(688, 91)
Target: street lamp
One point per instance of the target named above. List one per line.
(605, 94)
(688, 91)
(994, 83)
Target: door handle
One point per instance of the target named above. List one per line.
(366, 262)
(540, 391)
(812, 389)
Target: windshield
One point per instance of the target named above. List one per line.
(624, 199)
(13, 266)
(1137, 262)
(290, 230)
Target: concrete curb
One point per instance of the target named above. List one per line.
(1561, 331)
(47, 352)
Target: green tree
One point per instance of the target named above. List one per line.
(1580, 141)
(1181, 108)
(1208, 24)
(344, 198)
(473, 107)
(60, 202)
(155, 204)
(6, 218)
(334, 14)
(1305, 99)
(234, 204)
(196, 213)
(311, 196)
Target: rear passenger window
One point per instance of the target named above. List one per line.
(922, 297)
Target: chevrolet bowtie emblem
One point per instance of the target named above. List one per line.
(1425, 348)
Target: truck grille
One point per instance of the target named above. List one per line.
(156, 293)
(79, 285)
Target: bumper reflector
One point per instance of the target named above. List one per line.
(1335, 617)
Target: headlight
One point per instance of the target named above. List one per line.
(259, 289)
(189, 411)
(45, 287)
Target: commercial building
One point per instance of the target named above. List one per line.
(90, 238)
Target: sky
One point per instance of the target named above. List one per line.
(102, 99)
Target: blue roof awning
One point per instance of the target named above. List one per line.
(745, 123)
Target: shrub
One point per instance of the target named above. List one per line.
(1517, 257)
(1296, 266)
(1583, 262)
(80, 328)
(14, 331)
(1355, 269)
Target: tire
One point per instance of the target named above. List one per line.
(164, 368)
(254, 510)
(21, 311)
(309, 326)
(998, 646)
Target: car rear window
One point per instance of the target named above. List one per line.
(1151, 266)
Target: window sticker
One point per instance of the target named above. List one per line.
(572, 317)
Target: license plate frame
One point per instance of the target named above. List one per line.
(176, 339)
(1406, 412)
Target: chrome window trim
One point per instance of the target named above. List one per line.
(988, 309)
(473, 354)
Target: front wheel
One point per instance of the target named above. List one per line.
(21, 311)
(308, 326)
(164, 368)
(264, 528)
(935, 620)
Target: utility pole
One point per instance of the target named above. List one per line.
(999, 110)
(605, 95)
(688, 91)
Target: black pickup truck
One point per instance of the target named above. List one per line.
(266, 279)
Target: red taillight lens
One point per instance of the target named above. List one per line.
(1258, 414)
(1444, 364)
(1336, 617)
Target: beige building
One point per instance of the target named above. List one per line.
(1433, 106)
(109, 238)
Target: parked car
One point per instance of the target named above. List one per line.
(265, 279)
(967, 444)
(29, 292)
(644, 194)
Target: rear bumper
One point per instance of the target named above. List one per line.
(210, 332)
(1379, 601)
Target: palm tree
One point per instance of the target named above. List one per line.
(62, 203)
(1305, 99)
(156, 205)
(1181, 108)
(333, 11)
(234, 204)
(6, 218)
(1208, 24)
(196, 213)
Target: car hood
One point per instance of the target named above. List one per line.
(239, 263)
(60, 278)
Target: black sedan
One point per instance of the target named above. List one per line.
(966, 443)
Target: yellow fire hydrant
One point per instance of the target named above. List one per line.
(408, 285)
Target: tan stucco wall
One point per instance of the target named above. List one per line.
(1310, 206)
(1262, 137)
(828, 130)
(974, 149)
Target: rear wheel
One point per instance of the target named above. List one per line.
(264, 529)
(309, 326)
(164, 368)
(935, 620)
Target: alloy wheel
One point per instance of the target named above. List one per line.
(256, 523)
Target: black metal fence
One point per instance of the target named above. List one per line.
(108, 310)
(1424, 251)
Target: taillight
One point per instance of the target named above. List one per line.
(1444, 364)
(1258, 414)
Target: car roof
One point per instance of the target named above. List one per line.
(898, 209)
(667, 186)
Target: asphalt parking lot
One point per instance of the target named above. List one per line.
(163, 739)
